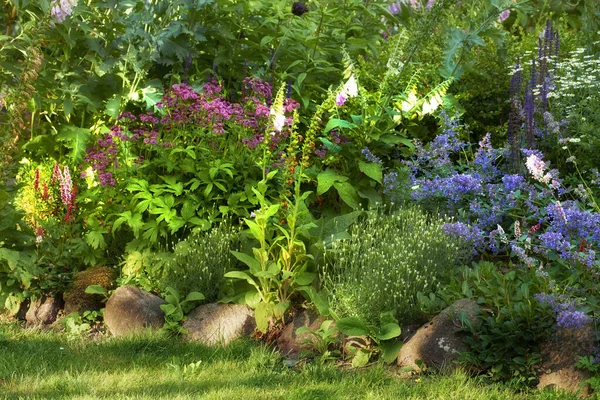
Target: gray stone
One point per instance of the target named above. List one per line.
(131, 310)
(560, 353)
(43, 312)
(437, 344)
(219, 324)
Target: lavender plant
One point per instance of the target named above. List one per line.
(390, 257)
(200, 262)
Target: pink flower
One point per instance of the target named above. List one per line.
(503, 15)
(66, 186)
(536, 168)
(340, 100)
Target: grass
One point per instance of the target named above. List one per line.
(46, 365)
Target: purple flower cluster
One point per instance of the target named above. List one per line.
(186, 108)
(370, 156)
(61, 9)
(567, 316)
(484, 198)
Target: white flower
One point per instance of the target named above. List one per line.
(279, 120)
(536, 167)
(349, 90)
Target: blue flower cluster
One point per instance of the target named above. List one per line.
(484, 199)
(567, 316)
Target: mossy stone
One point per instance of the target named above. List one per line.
(77, 300)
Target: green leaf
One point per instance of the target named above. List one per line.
(338, 123)
(113, 107)
(326, 179)
(388, 331)
(194, 296)
(240, 275)
(372, 170)
(353, 326)
(390, 350)
(95, 239)
(250, 261)
(348, 194)
(304, 278)
(262, 314)
(361, 358)
(96, 289)
(75, 139)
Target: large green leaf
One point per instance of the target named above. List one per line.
(353, 326)
(250, 261)
(262, 314)
(372, 170)
(326, 179)
(390, 350)
(388, 331)
(338, 123)
(348, 194)
(113, 107)
(76, 139)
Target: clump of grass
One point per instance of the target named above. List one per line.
(390, 257)
(199, 262)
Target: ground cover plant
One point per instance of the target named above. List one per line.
(371, 162)
(153, 367)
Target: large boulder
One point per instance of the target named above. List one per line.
(131, 310)
(290, 343)
(43, 312)
(219, 324)
(77, 300)
(437, 344)
(559, 354)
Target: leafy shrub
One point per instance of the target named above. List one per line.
(505, 341)
(199, 262)
(388, 259)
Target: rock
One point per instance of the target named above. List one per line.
(21, 315)
(132, 310)
(77, 300)
(289, 342)
(43, 312)
(560, 353)
(219, 324)
(437, 343)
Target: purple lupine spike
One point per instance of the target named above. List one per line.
(529, 106)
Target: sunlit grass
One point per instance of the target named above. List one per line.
(41, 365)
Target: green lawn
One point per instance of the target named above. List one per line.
(35, 365)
